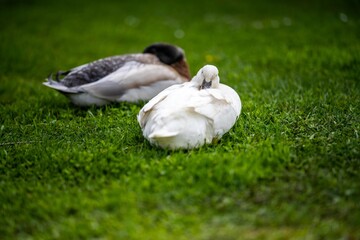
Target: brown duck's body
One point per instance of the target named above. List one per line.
(130, 77)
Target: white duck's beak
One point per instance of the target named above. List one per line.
(205, 84)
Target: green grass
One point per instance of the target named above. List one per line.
(289, 169)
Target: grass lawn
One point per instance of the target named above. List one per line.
(289, 169)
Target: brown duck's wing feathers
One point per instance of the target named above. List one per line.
(94, 71)
(132, 75)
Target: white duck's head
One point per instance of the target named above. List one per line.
(207, 77)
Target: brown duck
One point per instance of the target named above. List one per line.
(129, 77)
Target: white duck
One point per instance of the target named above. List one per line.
(191, 114)
(130, 77)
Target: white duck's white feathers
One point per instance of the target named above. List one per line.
(131, 77)
(186, 116)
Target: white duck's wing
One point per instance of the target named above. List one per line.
(171, 121)
(148, 107)
(162, 95)
(132, 75)
(232, 97)
(221, 105)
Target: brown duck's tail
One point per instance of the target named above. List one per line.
(55, 84)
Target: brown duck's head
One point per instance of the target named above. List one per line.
(170, 55)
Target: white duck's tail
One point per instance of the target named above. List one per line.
(58, 85)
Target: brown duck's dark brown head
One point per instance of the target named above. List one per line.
(170, 55)
(167, 53)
